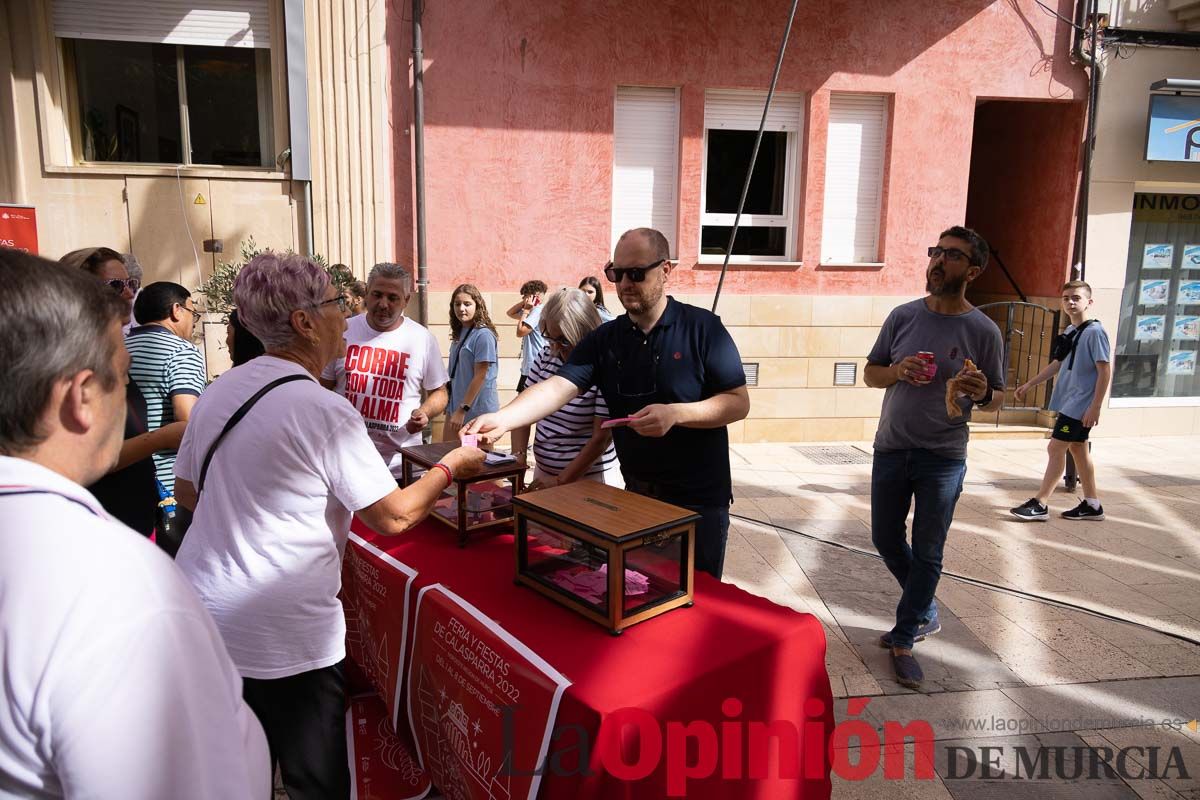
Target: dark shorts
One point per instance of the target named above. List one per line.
(1069, 429)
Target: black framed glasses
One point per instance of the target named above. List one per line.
(119, 286)
(949, 254)
(195, 314)
(636, 274)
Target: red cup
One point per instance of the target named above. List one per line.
(930, 364)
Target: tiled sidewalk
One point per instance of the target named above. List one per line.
(1035, 674)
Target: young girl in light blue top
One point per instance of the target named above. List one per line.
(473, 361)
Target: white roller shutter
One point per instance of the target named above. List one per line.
(216, 23)
(736, 110)
(645, 159)
(854, 178)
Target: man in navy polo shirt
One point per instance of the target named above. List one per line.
(675, 370)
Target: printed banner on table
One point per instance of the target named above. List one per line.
(1154, 293)
(1181, 362)
(1189, 293)
(1191, 256)
(481, 703)
(1158, 256)
(383, 765)
(375, 596)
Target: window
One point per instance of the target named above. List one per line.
(165, 84)
(645, 155)
(1159, 329)
(767, 228)
(854, 178)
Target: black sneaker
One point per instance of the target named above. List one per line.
(1031, 510)
(1084, 511)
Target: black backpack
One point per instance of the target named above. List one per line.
(1065, 343)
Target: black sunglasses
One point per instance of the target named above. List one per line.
(949, 253)
(118, 285)
(636, 274)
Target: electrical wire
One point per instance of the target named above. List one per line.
(982, 584)
(1054, 13)
(188, 227)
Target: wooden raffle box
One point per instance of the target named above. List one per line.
(468, 504)
(615, 557)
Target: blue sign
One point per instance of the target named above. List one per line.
(1174, 132)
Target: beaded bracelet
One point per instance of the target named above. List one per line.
(445, 469)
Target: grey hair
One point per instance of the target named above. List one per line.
(270, 288)
(133, 266)
(390, 270)
(573, 312)
(56, 324)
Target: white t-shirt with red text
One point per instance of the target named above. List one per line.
(382, 375)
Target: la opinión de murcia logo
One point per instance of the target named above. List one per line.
(739, 749)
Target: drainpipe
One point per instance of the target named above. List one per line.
(419, 164)
(297, 89)
(1093, 58)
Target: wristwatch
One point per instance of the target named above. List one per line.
(465, 407)
(987, 397)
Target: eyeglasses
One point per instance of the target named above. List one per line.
(119, 286)
(342, 303)
(636, 274)
(949, 254)
(195, 314)
(561, 341)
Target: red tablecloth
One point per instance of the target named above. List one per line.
(679, 667)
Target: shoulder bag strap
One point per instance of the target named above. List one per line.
(1075, 340)
(237, 417)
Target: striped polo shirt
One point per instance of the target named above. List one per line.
(163, 365)
(561, 436)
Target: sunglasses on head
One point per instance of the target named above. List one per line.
(118, 285)
(635, 274)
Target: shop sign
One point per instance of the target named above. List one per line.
(18, 228)
(1179, 209)
(1174, 129)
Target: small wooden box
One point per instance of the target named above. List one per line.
(615, 557)
(469, 504)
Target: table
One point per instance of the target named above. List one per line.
(688, 666)
(426, 455)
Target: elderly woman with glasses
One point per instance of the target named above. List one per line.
(129, 491)
(109, 267)
(274, 467)
(569, 444)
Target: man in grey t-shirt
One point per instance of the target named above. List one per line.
(920, 449)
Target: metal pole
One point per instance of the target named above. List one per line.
(419, 164)
(754, 153)
(1093, 58)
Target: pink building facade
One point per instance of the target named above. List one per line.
(900, 118)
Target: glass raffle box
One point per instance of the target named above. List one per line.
(468, 504)
(615, 557)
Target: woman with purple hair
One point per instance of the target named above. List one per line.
(274, 466)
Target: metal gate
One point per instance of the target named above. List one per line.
(1029, 331)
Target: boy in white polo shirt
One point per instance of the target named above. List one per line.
(1084, 351)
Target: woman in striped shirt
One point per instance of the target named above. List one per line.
(569, 444)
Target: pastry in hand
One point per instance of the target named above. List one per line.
(953, 409)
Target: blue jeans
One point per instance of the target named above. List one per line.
(936, 483)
